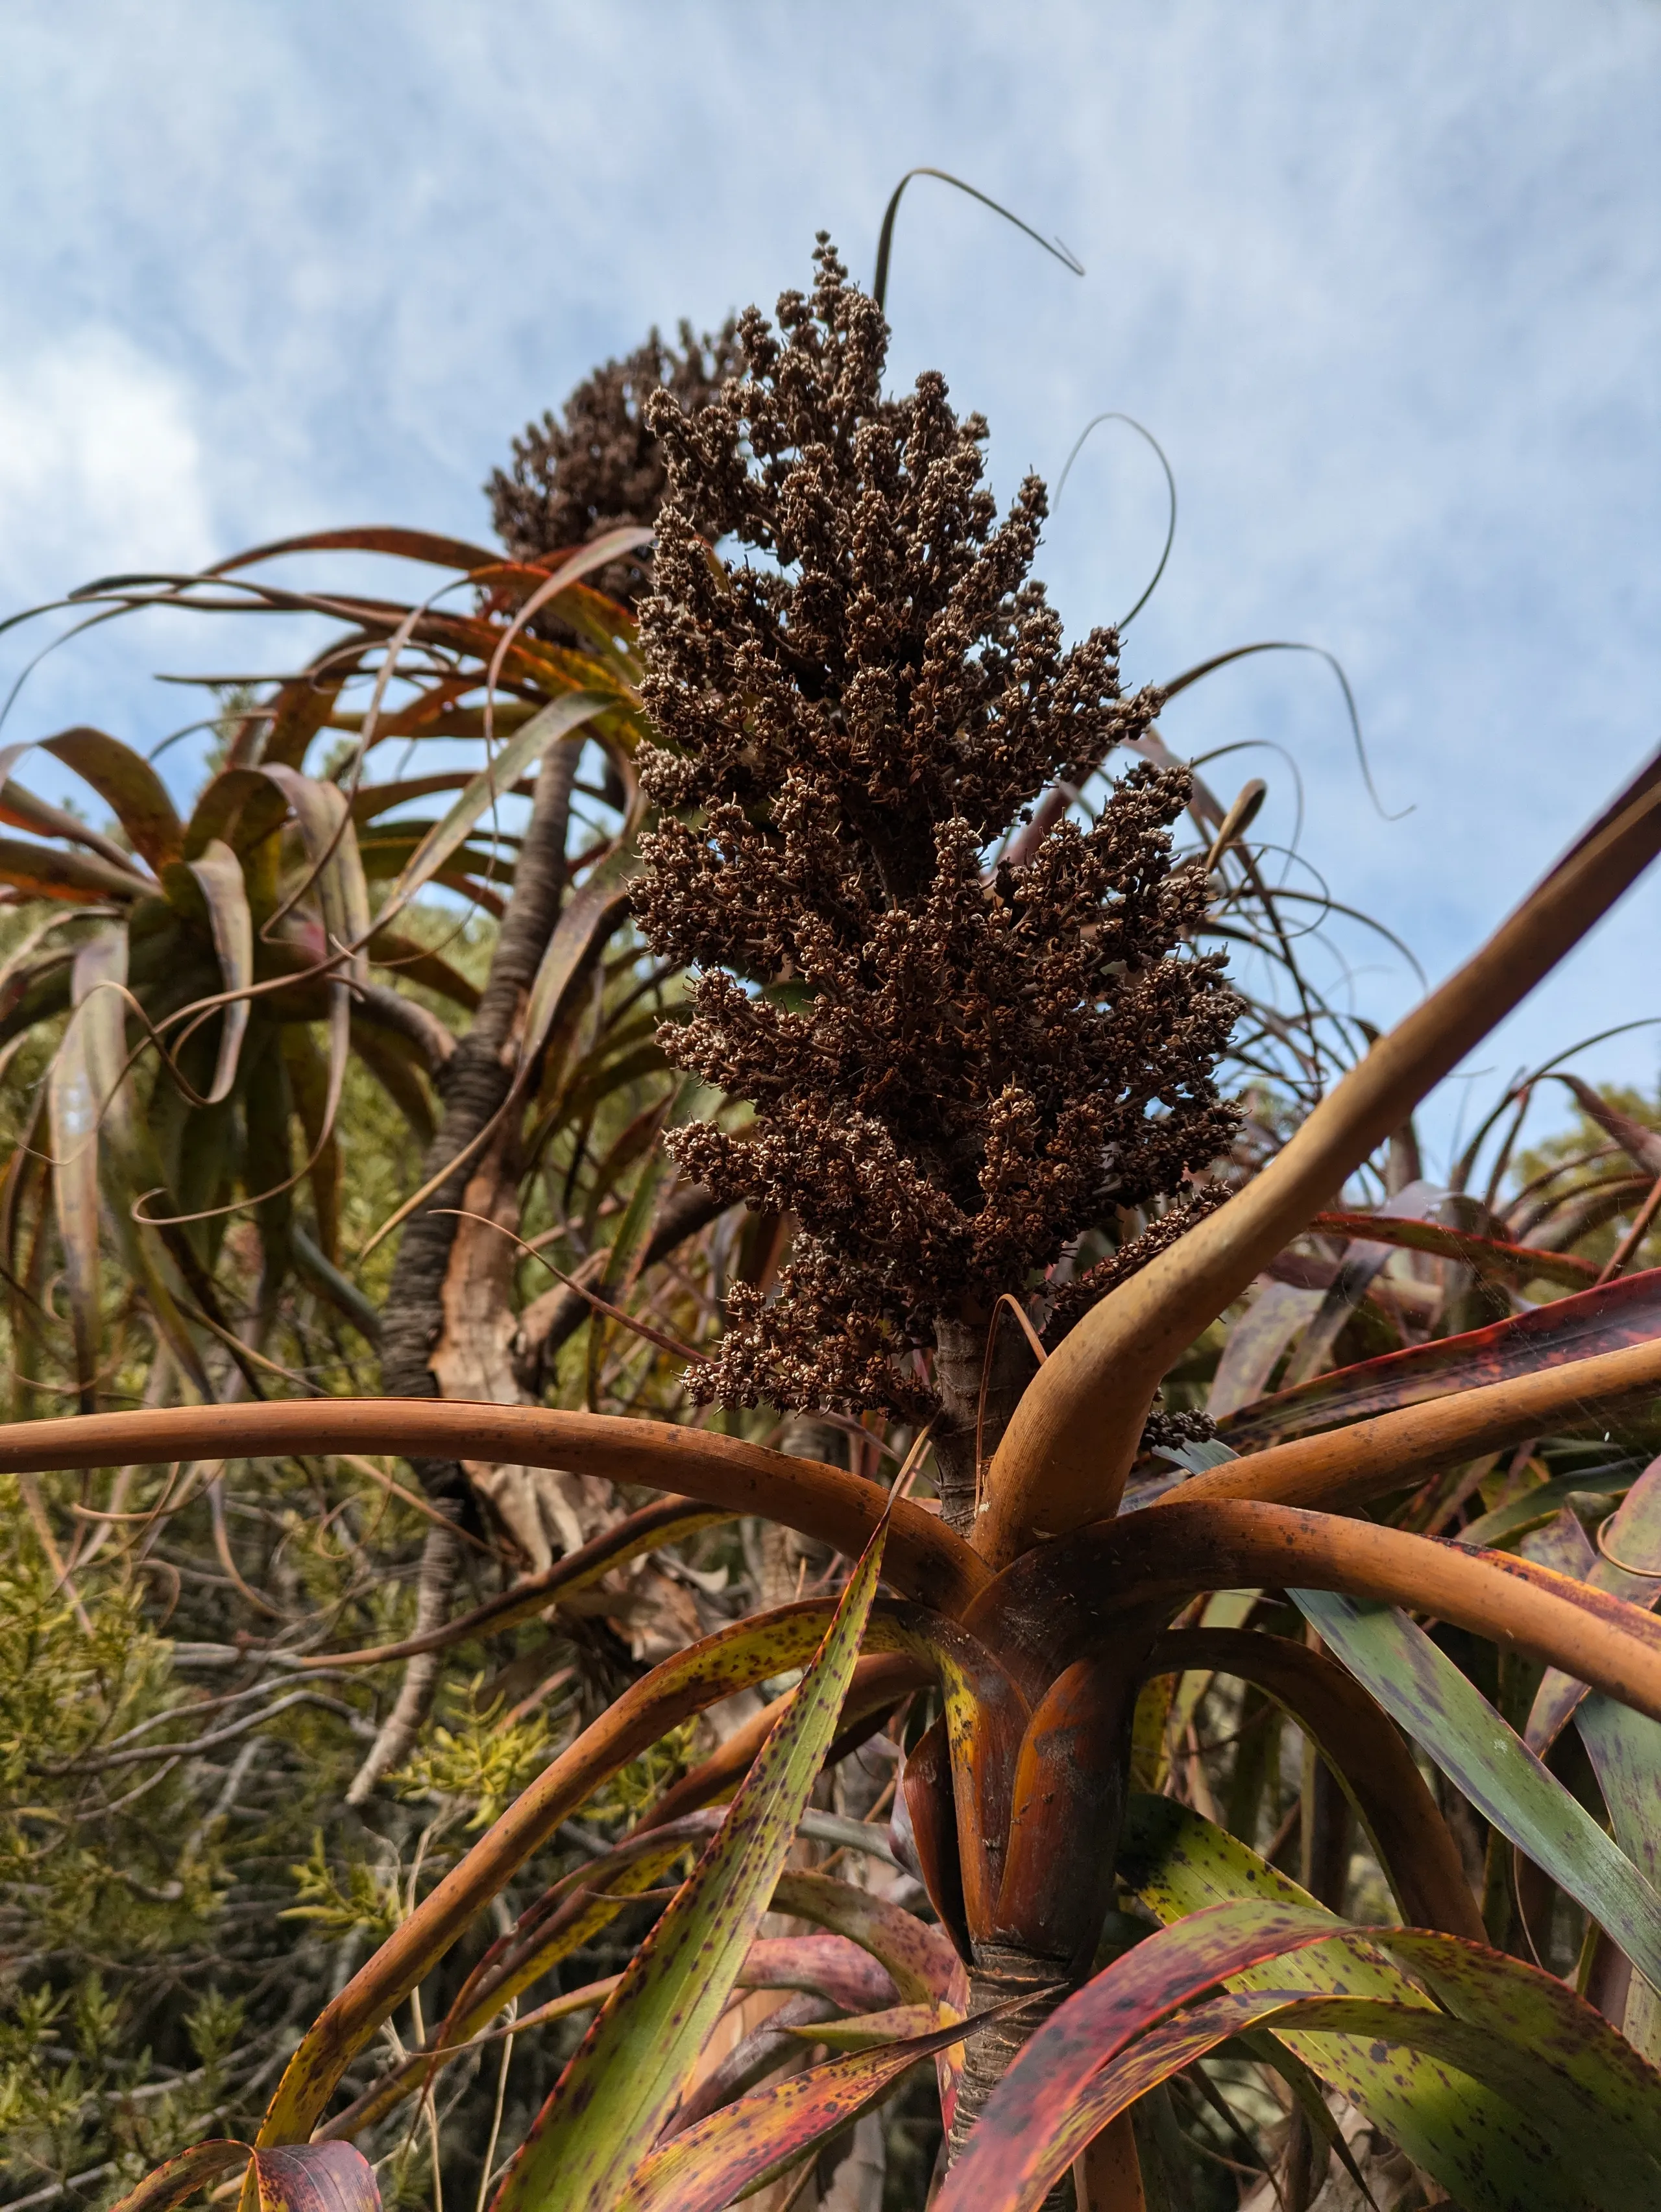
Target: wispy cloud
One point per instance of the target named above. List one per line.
(1385, 282)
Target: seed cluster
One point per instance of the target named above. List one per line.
(957, 1065)
(596, 464)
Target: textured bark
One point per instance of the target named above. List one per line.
(1000, 1972)
(959, 1365)
(474, 1085)
(546, 1511)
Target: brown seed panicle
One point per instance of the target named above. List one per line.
(957, 1065)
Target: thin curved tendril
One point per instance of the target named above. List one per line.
(1113, 416)
(1053, 247)
(1296, 645)
(660, 1338)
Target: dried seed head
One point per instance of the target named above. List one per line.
(956, 1068)
(597, 463)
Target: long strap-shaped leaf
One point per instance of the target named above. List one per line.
(924, 1559)
(559, 720)
(1420, 1687)
(1064, 1457)
(734, 1658)
(1606, 1319)
(1178, 1863)
(612, 2101)
(1345, 1467)
(1060, 1601)
(1418, 1856)
(1633, 1534)
(1143, 1988)
(735, 2149)
(1561, 2151)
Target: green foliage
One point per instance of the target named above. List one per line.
(480, 1760)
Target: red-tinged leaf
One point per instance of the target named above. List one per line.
(23, 810)
(1064, 1456)
(403, 544)
(1557, 2152)
(1420, 1687)
(632, 2065)
(218, 873)
(986, 1721)
(1179, 1863)
(1486, 1254)
(739, 2147)
(1632, 1534)
(1363, 1259)
(922, 1965)
(323, 2176)
(833, 1966)
(1582, 1326)
(925, 1828)
(128, 784)
(732, 1659)
(183, 2175)
(371, 801)
(1069, 1783)
(1059, 1601)
(46, 871)
(570, 1915)
(1008, 2149)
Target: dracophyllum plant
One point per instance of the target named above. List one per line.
(963, 1046)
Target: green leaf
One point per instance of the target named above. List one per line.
(557, 721)
(331, 842)
(75, 1108)
(1179, 1863)
(1027, 2135)
(1563, 2149)
(620, 2087)
(1633, 1534)
(1423, 1689)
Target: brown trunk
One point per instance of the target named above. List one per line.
(474, 1083)
(976, 1396)
(959, 1369)
(1001, 1971)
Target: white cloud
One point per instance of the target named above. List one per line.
(1386, 283)
(100, 466)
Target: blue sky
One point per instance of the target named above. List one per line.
(1385, 282)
